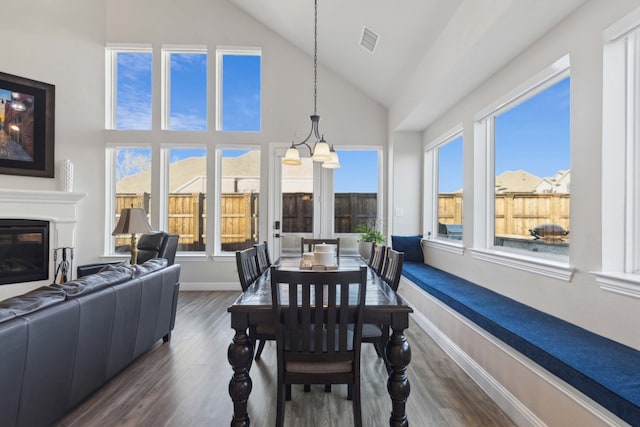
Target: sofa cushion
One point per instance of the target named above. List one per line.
(149, 266)
(30, 302)
(110, 275)
(410, 245)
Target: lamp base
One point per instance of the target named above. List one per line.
(134, 249)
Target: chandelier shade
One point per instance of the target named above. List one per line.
(321, 152)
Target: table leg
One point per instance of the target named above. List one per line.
(398, 355)
(240, 355)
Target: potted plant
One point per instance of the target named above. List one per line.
(369, 234)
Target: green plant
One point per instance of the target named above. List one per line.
(369, 233)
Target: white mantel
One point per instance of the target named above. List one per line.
(57, 207)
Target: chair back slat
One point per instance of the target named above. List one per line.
(376, 261)
(392, 269)
(247, 264)
(264, 261)
(318, 313)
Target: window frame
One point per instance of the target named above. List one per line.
(484, 180)
(620, 272)
(111, 79)
(218, 253)
(430, 197)
(165, 79)
(220, 52)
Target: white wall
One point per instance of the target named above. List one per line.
(406, 184)
(63, 43)
(580, 301)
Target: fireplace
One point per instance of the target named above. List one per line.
(24, 250)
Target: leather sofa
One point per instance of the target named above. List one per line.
(159, 244)
(60, 343)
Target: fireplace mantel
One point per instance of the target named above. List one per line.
(58, 207)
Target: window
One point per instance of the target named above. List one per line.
(621, 158)
(187, 196)
(129, 89)
(185, 89)
(443, 188)
(239, 195)
(131, 170)
(355, 187)
(238, 103)
(523, 169)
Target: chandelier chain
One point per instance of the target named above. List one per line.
(315, 59)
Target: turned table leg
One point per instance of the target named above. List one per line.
(398, 355)
(240, 355)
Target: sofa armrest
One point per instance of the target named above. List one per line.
(87, 269)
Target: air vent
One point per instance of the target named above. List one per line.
(369, 39)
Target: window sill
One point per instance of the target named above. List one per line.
(444, 245)
(545, 267)
(620, 283)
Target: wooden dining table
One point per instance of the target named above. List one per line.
(383, 306)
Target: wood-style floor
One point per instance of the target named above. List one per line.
(185, 383)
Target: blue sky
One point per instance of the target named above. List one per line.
(358, 172)
(450, 166)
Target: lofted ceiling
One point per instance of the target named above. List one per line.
(468, 39)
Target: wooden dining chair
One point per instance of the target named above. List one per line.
(376, 262)
(264, 261)
(378, 335)
(248, 272)
(318, 335)
(308, 245)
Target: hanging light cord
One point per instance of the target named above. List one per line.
(315, 59)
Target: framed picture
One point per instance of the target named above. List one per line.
(26, 126)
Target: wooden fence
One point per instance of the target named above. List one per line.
(516, 213)
(187, 218)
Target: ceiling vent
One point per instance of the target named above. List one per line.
(369, 39)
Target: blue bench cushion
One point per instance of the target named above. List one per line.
(606, 371)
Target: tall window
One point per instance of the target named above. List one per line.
(621, 158)
(186, 203)
(525, 140)
(132, 173)
(185, 89)
(238, 201)
(443, 157)
(239, 80)
(129, 99)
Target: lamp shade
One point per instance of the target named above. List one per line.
(333, 163)
(132, 221)
(292, 157)
(321, 152)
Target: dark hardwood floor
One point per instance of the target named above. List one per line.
(185, 383)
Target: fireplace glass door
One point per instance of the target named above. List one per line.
(24, 250)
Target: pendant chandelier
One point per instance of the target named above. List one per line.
(321, 152)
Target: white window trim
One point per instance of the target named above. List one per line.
(484, 180)
(235, 50)
(621, 158)
(430, 199)
(165, 79)
(218, 253)
(111, 77)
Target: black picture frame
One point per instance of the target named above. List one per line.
(27, 119)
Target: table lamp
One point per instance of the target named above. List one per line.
(132, 221)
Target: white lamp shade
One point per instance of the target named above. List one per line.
(292, 157)
(321, 152)
(333, 163)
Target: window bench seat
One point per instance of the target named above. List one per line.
(604, 370)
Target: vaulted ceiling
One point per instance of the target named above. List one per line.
(454, 44)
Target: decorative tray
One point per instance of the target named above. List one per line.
(319, 267)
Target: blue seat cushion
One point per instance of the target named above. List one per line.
(606, 371)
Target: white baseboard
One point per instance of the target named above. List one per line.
(575, 404)
(210, 286)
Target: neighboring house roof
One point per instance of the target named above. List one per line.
(516, 182)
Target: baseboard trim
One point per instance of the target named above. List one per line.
(509, 403)
(210, 286)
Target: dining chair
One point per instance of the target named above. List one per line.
(264, 261)
(318, 336)
(376, 262)
(378, 335)
(310, 244)
(248, 272)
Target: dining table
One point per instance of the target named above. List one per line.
(383, 306)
